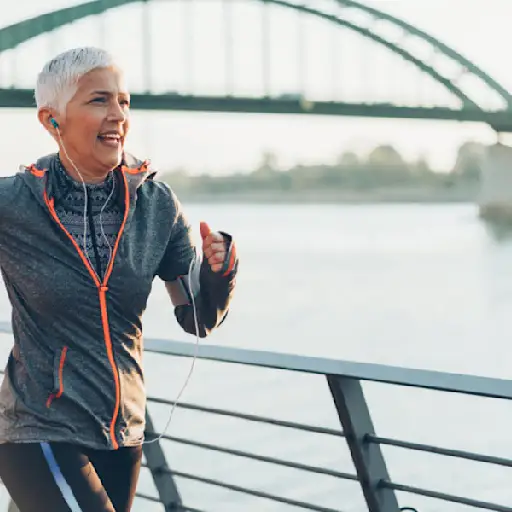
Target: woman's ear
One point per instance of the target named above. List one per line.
(48, 119)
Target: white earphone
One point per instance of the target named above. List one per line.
(190, 270)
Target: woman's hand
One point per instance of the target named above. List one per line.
(214, 247)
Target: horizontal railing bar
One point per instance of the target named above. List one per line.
(446, 497)
(253, 492)
(462, 454)
(260, 458)
(144, 496)
(154, 499)
(245, 490)
(409, 377)
(372, 372)
(249, 417)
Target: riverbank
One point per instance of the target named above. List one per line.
(375, 196)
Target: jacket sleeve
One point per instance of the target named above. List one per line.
(10, 188)
(191, 282)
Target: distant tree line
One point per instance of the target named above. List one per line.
(383, 167)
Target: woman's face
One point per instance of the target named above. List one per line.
(96, 123)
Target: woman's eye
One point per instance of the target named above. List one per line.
(124, 103)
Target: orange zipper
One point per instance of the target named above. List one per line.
(110, 354)
(58, 394)
(102, 291)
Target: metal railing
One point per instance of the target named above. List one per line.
(344, 383)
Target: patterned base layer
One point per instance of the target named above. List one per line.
(103, 219)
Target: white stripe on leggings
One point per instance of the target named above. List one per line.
(64, 487)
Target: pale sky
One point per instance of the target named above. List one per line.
(339, 65)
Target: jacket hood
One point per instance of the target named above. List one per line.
(38, 176)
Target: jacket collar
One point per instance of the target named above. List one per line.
(39, 177)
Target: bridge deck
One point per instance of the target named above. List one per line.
(501, 120)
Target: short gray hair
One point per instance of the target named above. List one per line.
(57, 82)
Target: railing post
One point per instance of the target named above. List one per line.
(157, 464)
(368, 459)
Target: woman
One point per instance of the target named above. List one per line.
(83, 234)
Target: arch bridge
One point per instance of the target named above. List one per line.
(239, 55)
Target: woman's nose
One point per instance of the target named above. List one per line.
(117, 113)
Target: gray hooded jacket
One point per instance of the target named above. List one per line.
(75, 371)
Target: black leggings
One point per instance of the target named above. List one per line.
(61, 477)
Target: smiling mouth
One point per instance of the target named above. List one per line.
(111, 140)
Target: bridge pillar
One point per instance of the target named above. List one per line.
(495, 201)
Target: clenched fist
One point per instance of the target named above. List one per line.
(215, 249)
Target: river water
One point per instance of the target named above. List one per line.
(423, 286)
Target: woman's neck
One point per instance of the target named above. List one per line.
(75, 171)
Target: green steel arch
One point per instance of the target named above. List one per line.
(436, 44)
(18, 33)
